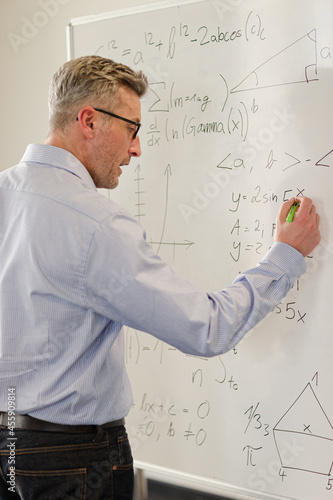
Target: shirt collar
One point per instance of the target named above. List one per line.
(59, 158)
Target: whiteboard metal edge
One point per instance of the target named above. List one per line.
(69, 42)
(202, 483)
(77, 21)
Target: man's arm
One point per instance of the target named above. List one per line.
(127, 282)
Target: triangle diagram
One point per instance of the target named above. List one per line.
(296, 63)
(306, 416)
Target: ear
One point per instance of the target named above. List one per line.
(87, 118)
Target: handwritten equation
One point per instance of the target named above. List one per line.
(235, 122)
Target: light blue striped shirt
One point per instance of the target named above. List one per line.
(75, 267)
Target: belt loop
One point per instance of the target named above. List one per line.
(99, 435)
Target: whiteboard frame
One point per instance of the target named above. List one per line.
(201, 483)
(79, 21)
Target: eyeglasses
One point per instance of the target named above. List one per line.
(138, 125)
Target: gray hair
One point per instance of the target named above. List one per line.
(89, 80)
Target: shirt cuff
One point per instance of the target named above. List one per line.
(287, 258)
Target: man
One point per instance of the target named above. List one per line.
(75, 268)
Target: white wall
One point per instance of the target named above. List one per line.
(32, 48)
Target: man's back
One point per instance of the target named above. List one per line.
(49, 215)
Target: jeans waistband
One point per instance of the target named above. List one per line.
(25, 422)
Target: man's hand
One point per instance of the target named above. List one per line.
(303, 232)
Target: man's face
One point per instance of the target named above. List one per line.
(114, 145)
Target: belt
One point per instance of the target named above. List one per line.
(34, 424)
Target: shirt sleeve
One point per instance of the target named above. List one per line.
(127, 282)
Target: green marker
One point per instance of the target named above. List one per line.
(292, 211)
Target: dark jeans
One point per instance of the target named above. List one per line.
(66, 466)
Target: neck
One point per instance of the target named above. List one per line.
(68, 143)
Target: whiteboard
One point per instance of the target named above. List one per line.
(238, 119)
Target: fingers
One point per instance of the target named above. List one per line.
(314, 216)
(285, 208)
(307, 212)
(305, 205)
(305, 208)
(303, 232)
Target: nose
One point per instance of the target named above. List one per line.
(135, 148)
